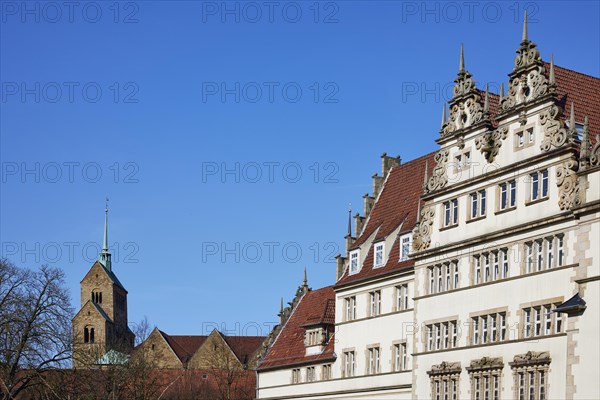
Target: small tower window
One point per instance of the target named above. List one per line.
(86, 335)
(91, 335)
(97, 297)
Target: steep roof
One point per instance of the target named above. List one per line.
(398, 203)
(289, 349)
(584, 91)
(184, 346)
(243, 346)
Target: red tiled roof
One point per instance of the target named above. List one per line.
(243, 346)
(288, 348)
(584, 91)
(397, 204)
(184, 346)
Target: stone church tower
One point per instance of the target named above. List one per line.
(100, 330)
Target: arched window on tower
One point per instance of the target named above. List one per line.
(91, 335)
(86, 335)
(96, 296)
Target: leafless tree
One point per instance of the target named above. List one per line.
(35, 326)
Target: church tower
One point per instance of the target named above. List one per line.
(100, 328)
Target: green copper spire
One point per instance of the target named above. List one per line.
(104, 254)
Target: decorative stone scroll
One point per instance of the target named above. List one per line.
(486, 363)
(595, 153)
(439, 179)
(569, 189)
(423, 228)
(464, 114)
(490, 142)
(531, 358)
(445, 368)
(555, 133)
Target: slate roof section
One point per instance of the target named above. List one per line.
(288, 349)
(398, 203)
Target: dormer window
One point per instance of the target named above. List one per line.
(405, 245)
(354, 262)
(379, 254)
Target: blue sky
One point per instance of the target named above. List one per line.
(231, 137)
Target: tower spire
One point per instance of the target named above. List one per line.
(105, 254)
(524, 38)
(350, 220)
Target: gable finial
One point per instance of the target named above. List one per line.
(443, 115)
(105, 254)
(584, 151)
(461, 67)
(572, 117)
(426, 177)
(486, 103)
(305, 281)
(551, 78)
(524, 38)
(501, 90)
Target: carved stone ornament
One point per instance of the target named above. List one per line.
(595, 153)
(439, 179)
(525, 87)
(463, 114)
(490, 142)
(486, 363)
(569, 189)
(531, 357)
(555, 133)
(445, 368)
(422, 230)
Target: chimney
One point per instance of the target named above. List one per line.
(387, 163)
(358, 224)
(377, 183)
(369, 202)
(339, 266)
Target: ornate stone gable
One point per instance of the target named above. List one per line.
(466, 110)
(528, 80)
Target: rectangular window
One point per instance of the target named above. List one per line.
(348, 364)
(373, 361)
(547, 319)
(496, 265)
(379, 252)
(477, 260)
(404, 364)
(527, 323)
(402, 297)
(478, 204)
(504, 257)
(539, 252)
(475, 325)
(431, 281)
(430, 337)
(310, 374)
(446, 333)
(296, 375)
(375, 303)
(326, 372)
(502, 318)
(438, 337)
(350, 308)
(561, 252)
(455, 274)
(440, 279)
(539, 185)
(354, 262)
(447, 276)
(530, 260)
(405, 244)
(454, 327)
(451, 212)
(486, 268)
(484, 329)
